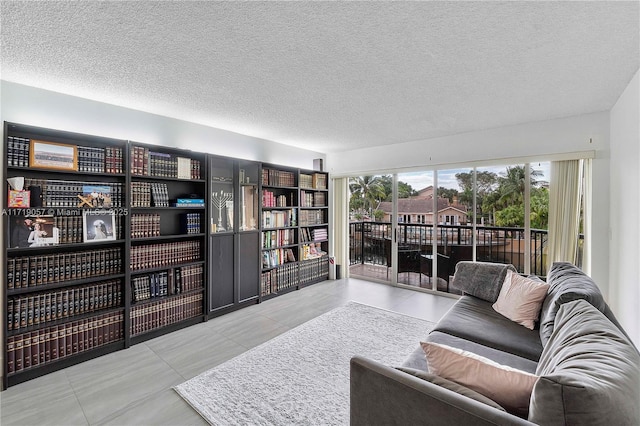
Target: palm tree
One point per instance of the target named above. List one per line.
(369, 189)
(511, 186)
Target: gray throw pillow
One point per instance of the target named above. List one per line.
(567, 283)
(452, 386)
(481, 279)
(589, 372)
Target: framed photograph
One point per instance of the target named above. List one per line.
(36, 231)
(99, 196)
(98, 226)
(52, 155)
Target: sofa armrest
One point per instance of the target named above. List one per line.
(382, 395)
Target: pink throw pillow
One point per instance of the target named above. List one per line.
(520, 299)
(509, 387)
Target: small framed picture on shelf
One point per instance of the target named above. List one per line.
(97, 196)
(53, 155)
(33, 231)
(98, 225)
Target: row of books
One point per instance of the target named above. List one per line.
(148, 163)
(279, 218)
(313, 234)
(164, 312)
(278, 238)
(164, 254)
(274, 257)
(145, 225)
(33, 349)
(64, 193)
(17, 151)
(173, 281)
(314, 270)
(279, 279)
(191, 223)
(270, 199)
(70, 228)
(314, 181)
(100, 160)
(312, 217)
(32, 271)
(313, 199)
(32, 310)
(149, 194)
(272, 177)
(311, 251)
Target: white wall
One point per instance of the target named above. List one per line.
(43, 108)
(530, 141)
(624, 207)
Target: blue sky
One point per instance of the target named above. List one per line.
(447, 178)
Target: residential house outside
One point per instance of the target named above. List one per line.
(419, 209)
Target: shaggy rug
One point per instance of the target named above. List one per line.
(302, 376)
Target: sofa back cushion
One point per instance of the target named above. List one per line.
(566, 283)
(589, 372)
(480, 279)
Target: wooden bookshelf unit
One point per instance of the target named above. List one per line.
(109, 243)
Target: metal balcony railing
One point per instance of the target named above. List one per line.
(368, 243)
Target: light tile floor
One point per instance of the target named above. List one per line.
(134, 386)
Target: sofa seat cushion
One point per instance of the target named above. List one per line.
(475, 320)
(589, 372)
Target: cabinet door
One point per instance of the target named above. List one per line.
(248, 265)
(221, 270)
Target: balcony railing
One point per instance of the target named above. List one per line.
(369, 243)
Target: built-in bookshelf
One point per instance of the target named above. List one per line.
(111, 242)
(166, 257)
(64, 222)
(294, 238)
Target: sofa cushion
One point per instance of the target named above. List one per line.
(567, 283)
(452, 386)
(499, 356)
(520, 299)
(474, 319)
(480, 279)
(509, 387)
(589, 372)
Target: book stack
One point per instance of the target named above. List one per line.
(272, 177)
(305, 181)
(165, 254)
(17, 151)
(160, 164)
(63, 193)
(160, 194)
(189, 202)
(311, 217)
(31, 349)
(113, 160)
(173, 281)
(275, 257)
(140, 194)
(314, 270)
(150, 316)
(190, 223)
(278, 238)
(39, 308)
(91, 159)
(319, 181)
(311, 251)
(279, 219)
(145, 225)
(279, 279)
(320, 234)
(32, 271)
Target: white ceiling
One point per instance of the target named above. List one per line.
(330, 76)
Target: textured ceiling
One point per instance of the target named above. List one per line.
(330, 76)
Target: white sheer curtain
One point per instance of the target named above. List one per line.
(564, 211)
(586, 215)
(340, 236)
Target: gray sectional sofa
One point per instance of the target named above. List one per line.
(586, 369)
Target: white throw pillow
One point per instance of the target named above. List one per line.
(520, 299)
(509, 387)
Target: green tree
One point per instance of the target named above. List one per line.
(368, 189)
(448, 193)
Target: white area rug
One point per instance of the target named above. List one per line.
(302, 376)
